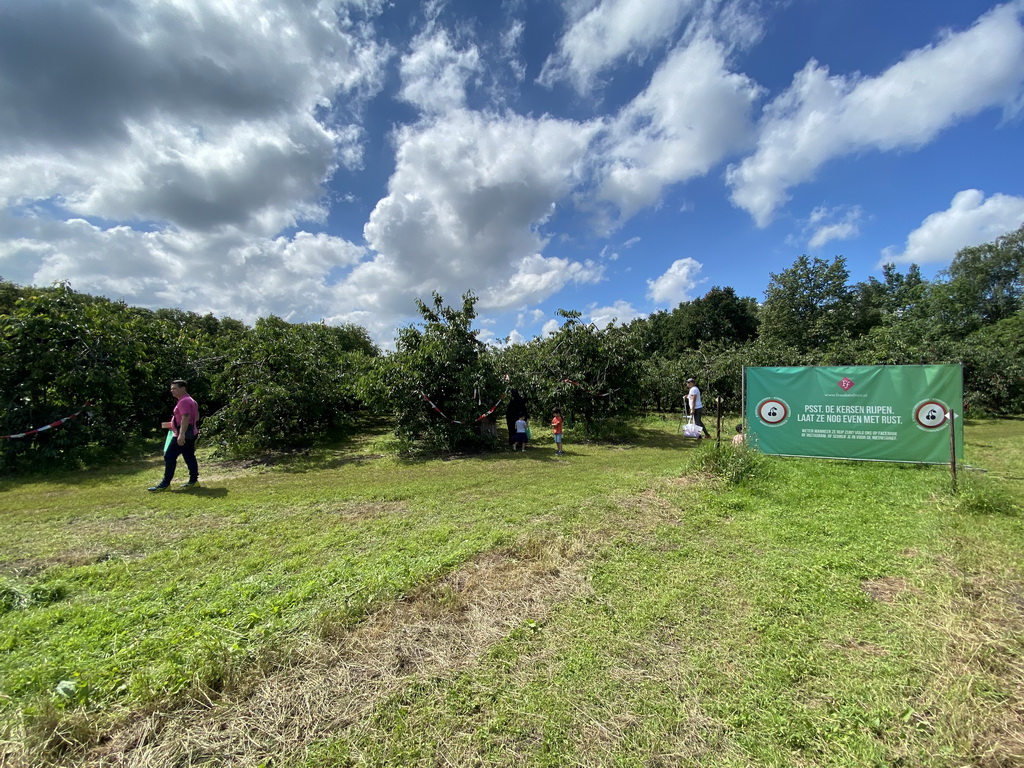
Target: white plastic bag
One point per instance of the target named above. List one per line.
(692, 430)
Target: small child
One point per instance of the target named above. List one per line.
(556, 425)
(737, 439)
(521, 427)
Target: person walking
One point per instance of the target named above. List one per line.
(183, 424)
(556, 425)
(696, 406)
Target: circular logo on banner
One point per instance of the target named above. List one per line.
(930, 414)
(773, 411)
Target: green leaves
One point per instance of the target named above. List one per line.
(444, 362)
(288, 385)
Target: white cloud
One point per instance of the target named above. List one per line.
(822, 117)
(604, 32)
(282, 275)
(465, 209)
(435, 75)
(693, 113)
(621, 312)
(826, 225)
(537, 315)
(676, 284)
(600, 33)
(199, 116)
(970, 220)
(550, 328)
(537, 278)
(515, 337)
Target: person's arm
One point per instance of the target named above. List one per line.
(183, 428)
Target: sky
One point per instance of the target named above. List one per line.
(335, 160)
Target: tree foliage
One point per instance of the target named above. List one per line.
(441, 362)
(809, 305)
(60, 350)
(278, 384)
(288, 385)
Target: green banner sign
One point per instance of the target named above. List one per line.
(868, 412)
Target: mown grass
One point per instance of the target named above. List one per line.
(652, 602)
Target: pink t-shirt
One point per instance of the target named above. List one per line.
(186, 406)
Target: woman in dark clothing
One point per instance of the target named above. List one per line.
(516, 408)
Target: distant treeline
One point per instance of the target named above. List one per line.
(279, 385)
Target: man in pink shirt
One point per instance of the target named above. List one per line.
(183, 425)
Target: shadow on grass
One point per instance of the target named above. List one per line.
(201, 491)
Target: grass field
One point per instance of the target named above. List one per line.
(647, 603)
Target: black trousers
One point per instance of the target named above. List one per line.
(186, 451)
(698, 413)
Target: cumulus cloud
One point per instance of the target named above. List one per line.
(621, 312)
(193, 116)
(284, 276)
(515, 337)
(822, 116)
(971, 219)
(677, 284)
(434, 74)
(694, 113)
(601, 33)
(465, 210)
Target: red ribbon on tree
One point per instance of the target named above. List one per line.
(51, 425)
(482, 416)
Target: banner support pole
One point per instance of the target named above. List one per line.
(952, 448)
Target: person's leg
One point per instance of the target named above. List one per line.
(188, 452)
(698, 413)
(170, 462)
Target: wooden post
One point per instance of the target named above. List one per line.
(952, 447)
(718, 428)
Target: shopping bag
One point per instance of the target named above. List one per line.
(692, 430)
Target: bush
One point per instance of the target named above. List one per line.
(732, 463)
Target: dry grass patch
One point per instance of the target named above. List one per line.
(334, 679)
(981, 661)
(886, 589)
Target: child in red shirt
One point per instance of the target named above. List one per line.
(556, 424)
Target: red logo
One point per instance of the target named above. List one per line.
(846, 384)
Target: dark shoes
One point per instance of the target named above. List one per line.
(184, 486)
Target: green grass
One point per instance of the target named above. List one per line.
(647, 603)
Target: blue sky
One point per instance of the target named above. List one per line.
(336, 160)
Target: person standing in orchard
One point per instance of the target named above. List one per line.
(183, 424)
(696, 406)
(556, 425)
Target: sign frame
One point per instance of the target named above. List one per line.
(892, 413)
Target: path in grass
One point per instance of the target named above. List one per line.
(612, 608)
